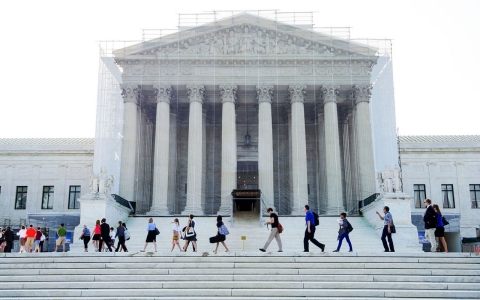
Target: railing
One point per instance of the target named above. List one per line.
(367, 201)
(124, 202)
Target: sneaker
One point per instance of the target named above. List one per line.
(323, 248)
(261, 249)
(280, 251)
(335, 250)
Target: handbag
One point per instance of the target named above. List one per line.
(445, 222)
(190, 232)
(280, 228)
(157, 232)
(393, 229)
(175, 236)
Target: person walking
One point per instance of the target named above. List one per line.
(440, 230)
(21, 238)
(3, 244)
(96, 235)
(121, 237)
(190, 234)
(273, 231)
(430, 219)
(38, 237)
(176, 234)
(85, 236)
(151, 235)
(126, 234)
(310, 231)
(221, 234)
(62, 233)
(343, 232)
(31, 233)
(387, 229)
(105, 236)
(112, 235)
(9, 238)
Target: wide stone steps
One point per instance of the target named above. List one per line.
(364, 238)
(239, 275)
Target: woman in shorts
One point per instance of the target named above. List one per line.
(176, 234)
(96, 235)
(22, 234)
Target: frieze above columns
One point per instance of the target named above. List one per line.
(196, 93)
(329, 92)
(362, 92)
(228, 93)
(130, 93)
(163, 93)
(265, 93)
(297, 93)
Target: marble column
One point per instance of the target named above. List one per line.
(265, 143)
(172, 167)
(128, 170)
(195, 151)
(162, 151)
(321, 175)
(299, 149)
(228, 95)
(332, 151)
(349, 203)
(365, 160)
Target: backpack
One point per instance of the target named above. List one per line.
(349, 227)
(317, 218)
(126, 233)
(223, 230)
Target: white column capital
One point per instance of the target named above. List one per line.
(329, 92)
(196, 93)
(362, 92)
(265, 93)
(228, 93)
(297, 92)
(130, 92)
(163, 92)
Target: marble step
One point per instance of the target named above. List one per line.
(185, 291)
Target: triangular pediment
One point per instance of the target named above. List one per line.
(245, 35)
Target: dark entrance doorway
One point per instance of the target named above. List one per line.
(247, 179)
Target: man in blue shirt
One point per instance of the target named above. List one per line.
(310, 231)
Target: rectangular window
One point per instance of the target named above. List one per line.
(447, 196)
(73, 197)
(475, 195)
(47, 199)
(419, 195)
(21, 198)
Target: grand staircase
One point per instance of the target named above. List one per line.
(240, 275)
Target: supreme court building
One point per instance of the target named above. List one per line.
(246, 102)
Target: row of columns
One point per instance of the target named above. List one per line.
(329, 146)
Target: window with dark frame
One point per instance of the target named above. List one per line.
(475, 195)
(74, 194)
(447, 196)
(47, 198)
(21, 198)
(419, 195)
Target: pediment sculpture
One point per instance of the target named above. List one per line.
(245, 39)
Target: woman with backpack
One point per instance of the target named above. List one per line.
(343, 232)
(440, 230)
(176, 234)
(222, 231)
(121, 237)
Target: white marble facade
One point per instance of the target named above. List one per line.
(285, 86)
(433, 161)
(36, 163)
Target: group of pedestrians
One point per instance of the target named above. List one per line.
(104, 236)
(435, 226)
(30, 240)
